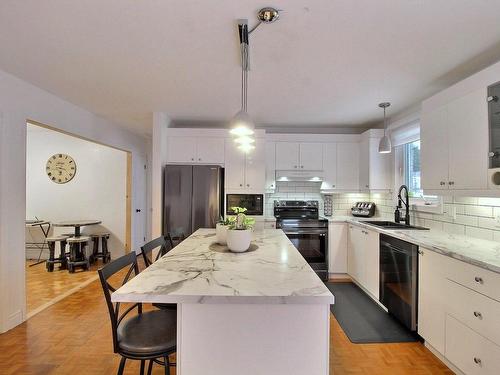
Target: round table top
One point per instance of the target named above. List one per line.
(76, 223)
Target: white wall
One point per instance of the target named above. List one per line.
(20, 101)
(97, 191)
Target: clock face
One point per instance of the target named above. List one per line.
(60, 168)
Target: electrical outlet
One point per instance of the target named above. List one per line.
(498, 220)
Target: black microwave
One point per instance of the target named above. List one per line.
(254, 203)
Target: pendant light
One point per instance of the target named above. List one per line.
(242, 124)
(384, 147)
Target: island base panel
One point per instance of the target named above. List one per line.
(249, 339)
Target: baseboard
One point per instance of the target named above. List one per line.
(339, 277)
(443, 359)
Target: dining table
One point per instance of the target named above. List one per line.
(77, 224)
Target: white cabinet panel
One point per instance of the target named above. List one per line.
(270, 166)
(364, 164)
(234, 167)
(348, 166)
(210, 150)
(434, 149)
(468, 141)
(431, 304)
(380, 176)
(255, 167)
(181, 149)
(372, 262)
(329, 166)
(470, 352)
(356, 253)
(337, 247)
(287, 155)
(311, 156)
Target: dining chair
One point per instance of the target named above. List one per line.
(164, 244)
(147, 336)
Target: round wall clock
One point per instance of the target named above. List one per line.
(60, 168)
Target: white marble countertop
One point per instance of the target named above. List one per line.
(481, 253)
(200, 271)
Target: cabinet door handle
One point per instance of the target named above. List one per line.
(421, 252)
(477, 361)
(192, 159)
(478, 315)
(333, 186)
(479, 280)
(442, 183)
(199, 159)
(248, 185)
(301, 166)
(241, 184)
(492, 98)
(295, 166)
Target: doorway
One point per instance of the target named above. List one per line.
(72, 181)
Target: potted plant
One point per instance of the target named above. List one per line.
(221, 230)
(239, 233)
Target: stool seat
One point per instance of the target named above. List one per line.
(57, 238)
(103, 234)
(78, 239)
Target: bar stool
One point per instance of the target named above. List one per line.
(51, 242)
(77, 256)
(104, 253)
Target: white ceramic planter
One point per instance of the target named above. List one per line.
(220, 233)
(238, 241)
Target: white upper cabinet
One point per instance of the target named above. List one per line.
(434, 149)
(270, 167)
(287, 155)
(348, 166)
(210, 150)
(374, 167)
(311, 156)
(245, 172)
(299, 156)
(255, 167)
(181, 150)
(195, 150)
(329, 166)
(454, 144)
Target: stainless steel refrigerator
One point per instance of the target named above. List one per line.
(193, 198)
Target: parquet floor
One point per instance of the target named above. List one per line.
(42, 286)
(73, 337)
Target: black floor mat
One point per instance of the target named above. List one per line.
(362, 320)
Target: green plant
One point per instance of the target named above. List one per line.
(226, 221)
(241, 221)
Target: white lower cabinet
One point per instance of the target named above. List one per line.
(337, 247)
(459, 322)
(469, 351)
(363, 258)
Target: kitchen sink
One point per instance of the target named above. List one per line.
(393, 225)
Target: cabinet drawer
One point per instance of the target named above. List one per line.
(476, 278)
(469, 351)
(480, 313)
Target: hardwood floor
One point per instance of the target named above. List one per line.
(73, 337)
(42, 287)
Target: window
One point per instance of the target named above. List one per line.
(412, 168)
(410, 162)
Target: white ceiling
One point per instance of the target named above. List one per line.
(325, 63)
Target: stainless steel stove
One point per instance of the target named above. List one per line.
(306, 230)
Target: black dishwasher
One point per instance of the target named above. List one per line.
(399, 279)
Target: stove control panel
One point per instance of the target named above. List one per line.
(363, 209)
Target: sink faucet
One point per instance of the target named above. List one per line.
(406, 201)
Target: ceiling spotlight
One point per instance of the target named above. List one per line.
(268, 14)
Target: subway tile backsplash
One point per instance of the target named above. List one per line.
(470, 216)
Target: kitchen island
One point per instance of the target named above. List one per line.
(264, 311)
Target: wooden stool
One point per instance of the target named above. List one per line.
(51, 241)
(77, 256)
(104, 253)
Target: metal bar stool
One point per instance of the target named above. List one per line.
(147, 336)
(51, 242)
(104, 254)
(77, 256)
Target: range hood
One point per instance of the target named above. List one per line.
(299, 176)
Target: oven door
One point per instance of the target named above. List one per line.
(311, 243)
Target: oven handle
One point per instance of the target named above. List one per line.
(322, 233)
